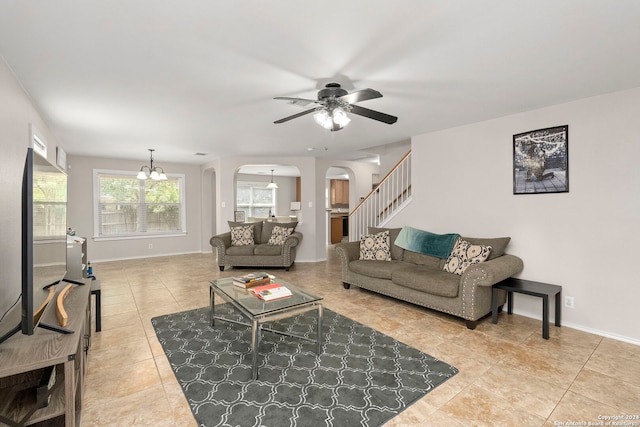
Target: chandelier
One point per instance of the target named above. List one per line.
(154, 172)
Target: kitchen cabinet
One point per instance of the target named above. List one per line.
(336, 229)
(339, 192)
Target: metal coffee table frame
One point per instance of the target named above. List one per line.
(258, 312)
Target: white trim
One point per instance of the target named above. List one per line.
(139, 236)
(147, 256)
(36, 141)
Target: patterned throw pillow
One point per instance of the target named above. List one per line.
(464, 254)
(279, 235)
(375, 246)
(242, 235)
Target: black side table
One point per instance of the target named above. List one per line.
(528, 287)
(95, 291)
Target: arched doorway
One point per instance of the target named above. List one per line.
(268, 190)
(337, 204)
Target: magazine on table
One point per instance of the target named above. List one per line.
(271, 291)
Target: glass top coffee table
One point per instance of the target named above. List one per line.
(258, 311)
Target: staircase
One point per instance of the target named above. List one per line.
(390, 196)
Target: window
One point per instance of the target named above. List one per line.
(49, 205)
(129, 207)
(255, 199)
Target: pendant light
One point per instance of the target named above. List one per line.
(272, 184)
(154, 172)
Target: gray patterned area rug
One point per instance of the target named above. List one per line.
(362, 377)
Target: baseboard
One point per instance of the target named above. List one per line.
(186, 253)
(309, 260)
(146, 256)
(582, 328)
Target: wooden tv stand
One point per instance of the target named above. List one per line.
(25, 357)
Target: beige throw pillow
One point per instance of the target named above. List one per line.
(279, 235)
(242, 235)
(375, 247)
(465, 254)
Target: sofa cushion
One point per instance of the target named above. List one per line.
(378, 269)
(465, 254)
(375, 247)
(421, 259)
(396, 251)
(267, 228)
(498, 244)
(240, 250)
(427, 279)
(242, 235)
(269, 250)
(257, 229)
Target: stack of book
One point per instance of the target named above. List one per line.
(271, 291)
(251, 279)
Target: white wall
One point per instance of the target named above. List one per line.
(584, 240)
(390, 155)
(80, 217)
(16, 114)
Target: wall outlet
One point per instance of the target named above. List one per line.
(568, 302)
(150, 245)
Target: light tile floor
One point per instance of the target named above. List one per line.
(508, 375)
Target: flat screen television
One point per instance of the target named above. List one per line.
(44, 242)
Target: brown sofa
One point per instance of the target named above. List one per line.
(259, 254)
(420, 279)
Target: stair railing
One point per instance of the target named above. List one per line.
(384, 201)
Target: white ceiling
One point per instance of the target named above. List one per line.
(113, 78)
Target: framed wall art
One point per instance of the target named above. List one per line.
(238, 216)
(541, 161)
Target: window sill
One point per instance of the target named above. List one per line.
(138, 237)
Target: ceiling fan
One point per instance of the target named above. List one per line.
(334, 103)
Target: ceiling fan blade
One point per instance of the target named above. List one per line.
(297, 101)
(375, 115)
(295, 116)
(361, 95)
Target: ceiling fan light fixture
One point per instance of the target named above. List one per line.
(332, 119)
(340, 117)
(333, 105)
(323, 118)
